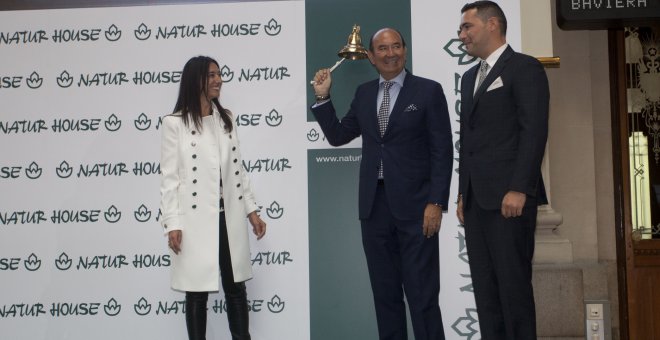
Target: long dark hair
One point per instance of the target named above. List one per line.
(192, 86)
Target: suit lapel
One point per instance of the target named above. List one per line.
(406, 92)
(492, 75)
(370, 109)
(467, 103)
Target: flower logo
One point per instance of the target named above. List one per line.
(227, 74)
(64, 80)
(274, 118)
(64, 170)
(456, 49)
(143, 122)
(33, 171)
(142, 307)
(312, 136)
(63, 262)
(276, 305)
(272, 28)
(465, 325)
(112, 215)
(32, 263)
(34, 81)
(112, 308)
(113, 33)
(275, 211)
(142, 214)
(143, 32)
(112, 123)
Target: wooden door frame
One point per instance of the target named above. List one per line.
(621, 173)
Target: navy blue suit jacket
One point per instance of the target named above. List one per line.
(416, 148)
(504, 128)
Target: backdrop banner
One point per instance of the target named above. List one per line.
(83, 92)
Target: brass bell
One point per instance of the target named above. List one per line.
(353, 49)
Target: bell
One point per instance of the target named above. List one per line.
(353, 49)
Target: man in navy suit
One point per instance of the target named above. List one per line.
(504, 128)
(405, 176)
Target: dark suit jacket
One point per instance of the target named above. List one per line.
(416, 148)
(504, 130)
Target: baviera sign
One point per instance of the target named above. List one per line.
(605, 14)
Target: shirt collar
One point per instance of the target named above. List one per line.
(493, 57)
(397, 80)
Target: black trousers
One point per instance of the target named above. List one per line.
(400, 259)
(500, 252)
(235, 297)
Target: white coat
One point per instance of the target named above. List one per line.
(190, 196)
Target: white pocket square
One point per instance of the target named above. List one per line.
(411, 107)
(496, 84)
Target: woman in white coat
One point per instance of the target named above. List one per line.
(205, 198)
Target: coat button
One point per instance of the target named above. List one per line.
(238, 185)
(194, 132)
(194, 156)
(194, 206)
(193, 143)
(194, 194)
(194, 168)
(233, 148)
(240, 197)
(235, 160)
(194, 181)
(229, 136)
(236, 173)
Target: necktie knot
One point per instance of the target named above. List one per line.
(387, 85)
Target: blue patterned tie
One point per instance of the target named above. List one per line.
(383, 116)
(384, 111)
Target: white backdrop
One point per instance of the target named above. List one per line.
(77, 277)
(81, 93)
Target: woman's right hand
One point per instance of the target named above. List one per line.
(174, 240)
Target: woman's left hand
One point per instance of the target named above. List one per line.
(258, 225)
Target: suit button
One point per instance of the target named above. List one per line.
(194, 194)
(238, 185)
(194, 132)
(193, 143)
(236, 173)
(194, 181)
(194, 168)
(194, 156)
(233, 148)
(235, 160)
(194, 206)
(240, 198)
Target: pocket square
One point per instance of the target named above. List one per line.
(496, 84)
(411, 107)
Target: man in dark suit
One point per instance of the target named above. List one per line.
(504, 128)
(405, 176)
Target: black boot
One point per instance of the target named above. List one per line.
(196, 315)
(237, 312)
